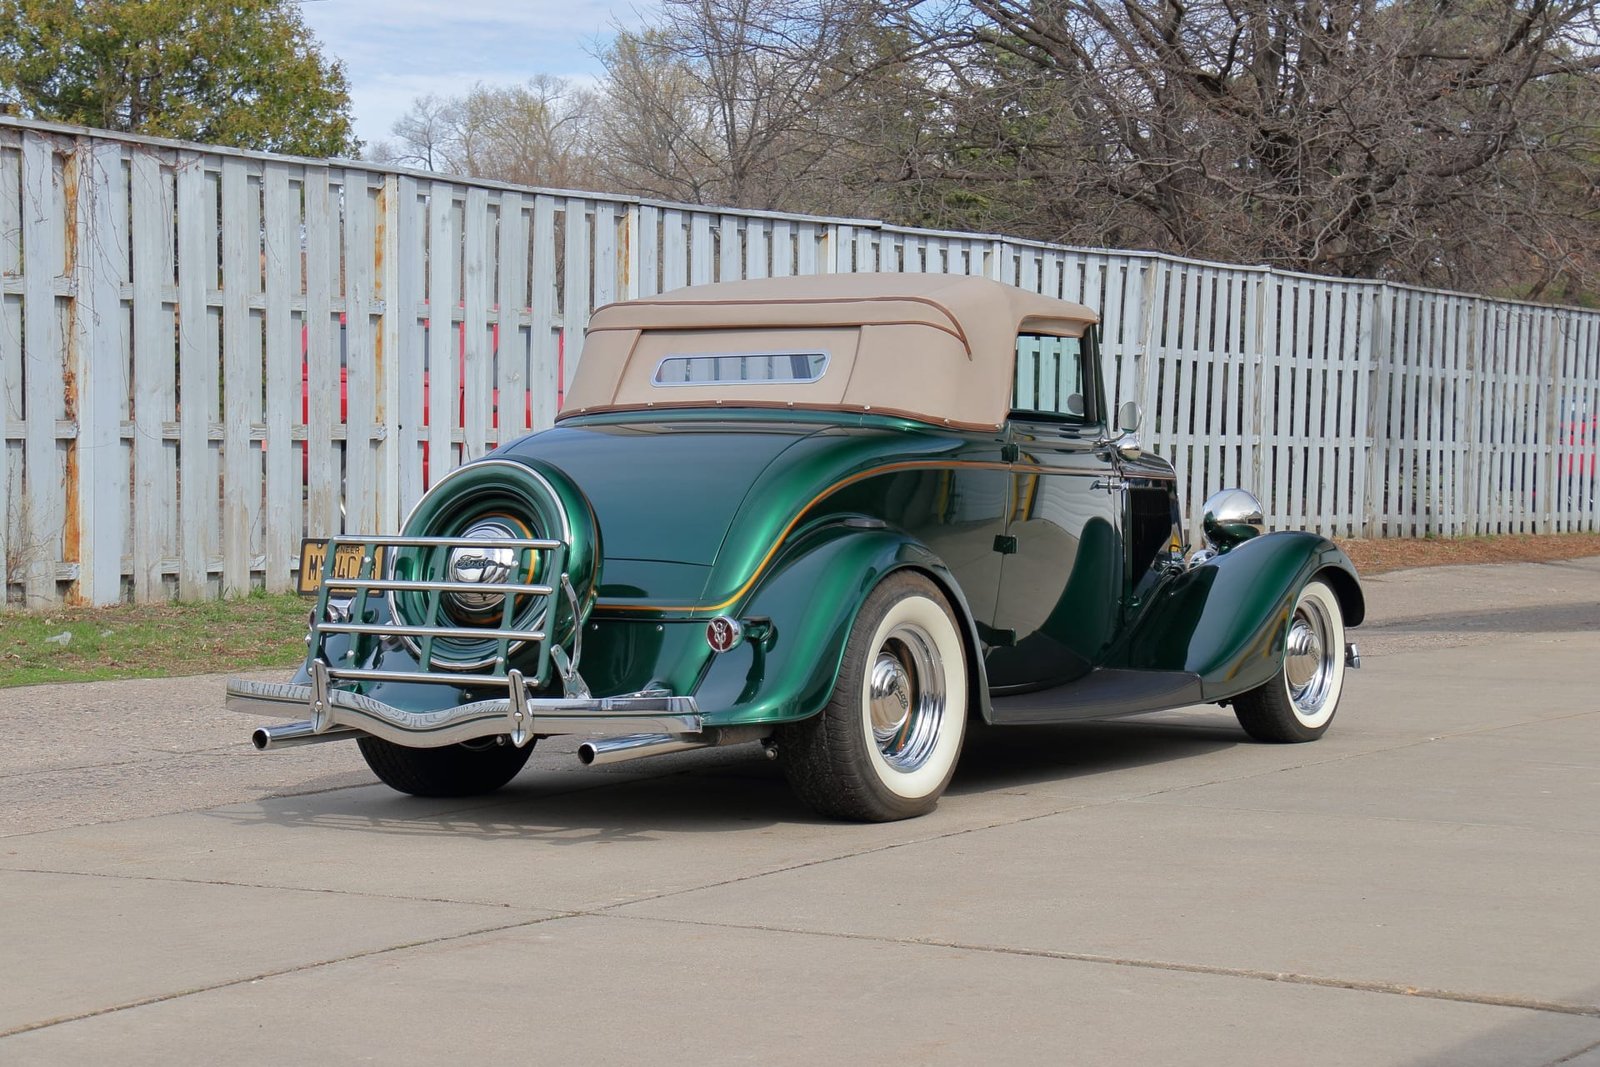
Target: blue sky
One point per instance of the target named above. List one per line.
(397, 50)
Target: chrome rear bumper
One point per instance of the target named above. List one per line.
(337, 713)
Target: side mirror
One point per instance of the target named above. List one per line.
(1128, 416)
(1126, 440)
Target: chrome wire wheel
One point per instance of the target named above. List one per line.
(906, 697)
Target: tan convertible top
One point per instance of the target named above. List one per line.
(939, 348)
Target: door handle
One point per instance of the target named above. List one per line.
(1113, 484)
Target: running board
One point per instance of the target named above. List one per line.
(1100, 694)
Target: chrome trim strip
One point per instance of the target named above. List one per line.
(398, 585)
(595, 716)
(462, 681)
(685, 357)
(397, 541)
(462, 632)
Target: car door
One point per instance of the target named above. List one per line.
(1061, 577)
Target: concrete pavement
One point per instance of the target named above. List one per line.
(1419, 887)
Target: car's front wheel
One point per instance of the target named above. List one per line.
(463, 770)
(886, 744)
(1298, 703)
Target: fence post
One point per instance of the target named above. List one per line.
(629, 261)
(546, 324)
(1146, 379)
(1254, 355)
(1545, 519)
(1377, 407)
(842, 244)
(1471, 467)
(241, 375)
(41, 515)
(391, 313)
(99, 338)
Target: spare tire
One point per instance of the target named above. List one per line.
(483, 501)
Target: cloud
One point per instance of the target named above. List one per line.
(397, 50)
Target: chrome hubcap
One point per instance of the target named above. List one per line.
(906, 697)
(1308, 662)
(474, 563)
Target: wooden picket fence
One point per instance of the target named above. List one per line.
(207, 354)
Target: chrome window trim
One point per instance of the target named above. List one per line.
(827, 358)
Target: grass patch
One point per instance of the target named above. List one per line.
(152, 640)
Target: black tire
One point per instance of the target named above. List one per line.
(1299, 702)
(886, 753)
(465, 770)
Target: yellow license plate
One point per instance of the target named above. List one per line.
(346, 564)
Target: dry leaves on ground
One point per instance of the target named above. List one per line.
(1389, 554)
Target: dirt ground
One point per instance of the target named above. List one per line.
(1390, 554)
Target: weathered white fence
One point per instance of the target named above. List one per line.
(204, 352)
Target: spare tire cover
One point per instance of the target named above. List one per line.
(498, 498)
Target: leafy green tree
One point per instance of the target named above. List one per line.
(245, 73)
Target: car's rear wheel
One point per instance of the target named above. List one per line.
(464, 770)
(886, 744)
(1299, 702)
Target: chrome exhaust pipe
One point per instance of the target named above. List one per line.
(605, 750)
(297, 733)
(620, 749)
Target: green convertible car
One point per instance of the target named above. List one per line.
(838, 516)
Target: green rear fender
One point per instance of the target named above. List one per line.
(1225, 620)
(812, 595)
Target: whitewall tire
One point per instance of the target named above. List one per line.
(1299, 702)
(886, 745)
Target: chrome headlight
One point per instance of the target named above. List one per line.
(1232, 516)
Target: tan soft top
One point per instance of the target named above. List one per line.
(936, 347)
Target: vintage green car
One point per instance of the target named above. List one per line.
(839, 516)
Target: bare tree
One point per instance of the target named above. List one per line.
(1452, 142)
(729, 101)
(1433, 141)
(422, 136)
(655, 135)
(535, 133)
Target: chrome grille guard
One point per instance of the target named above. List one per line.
(350, 597)
(341, 609)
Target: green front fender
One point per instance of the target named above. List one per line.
(1226, 619)
(813, 596)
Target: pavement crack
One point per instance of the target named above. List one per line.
(1569, 1057)
(230, 884)
(279, 973)
(1358, 985)
(854, 854)
(1401, 819)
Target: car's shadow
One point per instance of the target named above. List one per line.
(1017, 757)
(722, 790)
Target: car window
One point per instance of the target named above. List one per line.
(730, 368)
(1051, 379)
